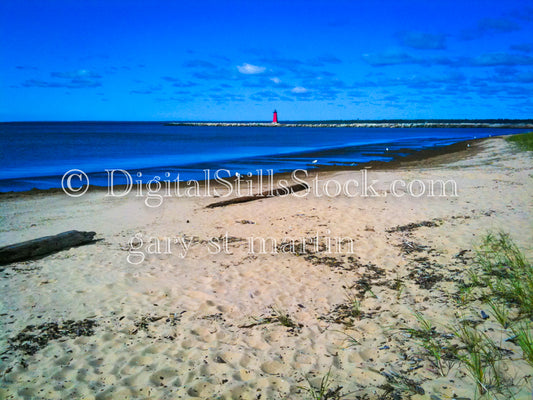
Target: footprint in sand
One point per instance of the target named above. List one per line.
(272, 386)
(222, 309)
(187, 344)
(229, 357)
(256, 341)
(366, 377)
(65, 360)
(108, 380)
(245, 361)
(140, 361)
(215, 369)
(273, 367)
(304, 359)
(108, 336)
(163, 376)
(201, 389)
(152, 349)
(203, 334)
(132, 379)
(244, 375)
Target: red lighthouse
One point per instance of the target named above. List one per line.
(275, 118)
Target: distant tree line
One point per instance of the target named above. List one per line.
(418, 121)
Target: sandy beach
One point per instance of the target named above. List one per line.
(174, 302)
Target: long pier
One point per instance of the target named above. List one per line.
(493, 125)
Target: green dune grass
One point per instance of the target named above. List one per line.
(523, 140)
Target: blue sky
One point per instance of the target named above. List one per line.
(239, 60)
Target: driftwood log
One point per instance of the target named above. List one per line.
(42, 246)
(269, 193)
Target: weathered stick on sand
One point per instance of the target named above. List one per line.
(43, 246)
(268, 193)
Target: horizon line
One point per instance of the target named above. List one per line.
(280, 122)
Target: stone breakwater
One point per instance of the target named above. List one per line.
(510, 125)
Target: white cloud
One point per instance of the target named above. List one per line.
(299, 89)
(250, 69)
(275, 80)
(81, 73)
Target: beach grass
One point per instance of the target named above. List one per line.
(506, 272)
(353, 303)
(283, 317)
(506, 277)
(428, 339)
(324, 390)
(350, 340)
(523, 140)
(524, 336)
(503, 280)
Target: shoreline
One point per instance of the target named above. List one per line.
(397, 161)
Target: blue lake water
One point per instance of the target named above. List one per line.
(36, 155)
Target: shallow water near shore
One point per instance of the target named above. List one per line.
(36, 155)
